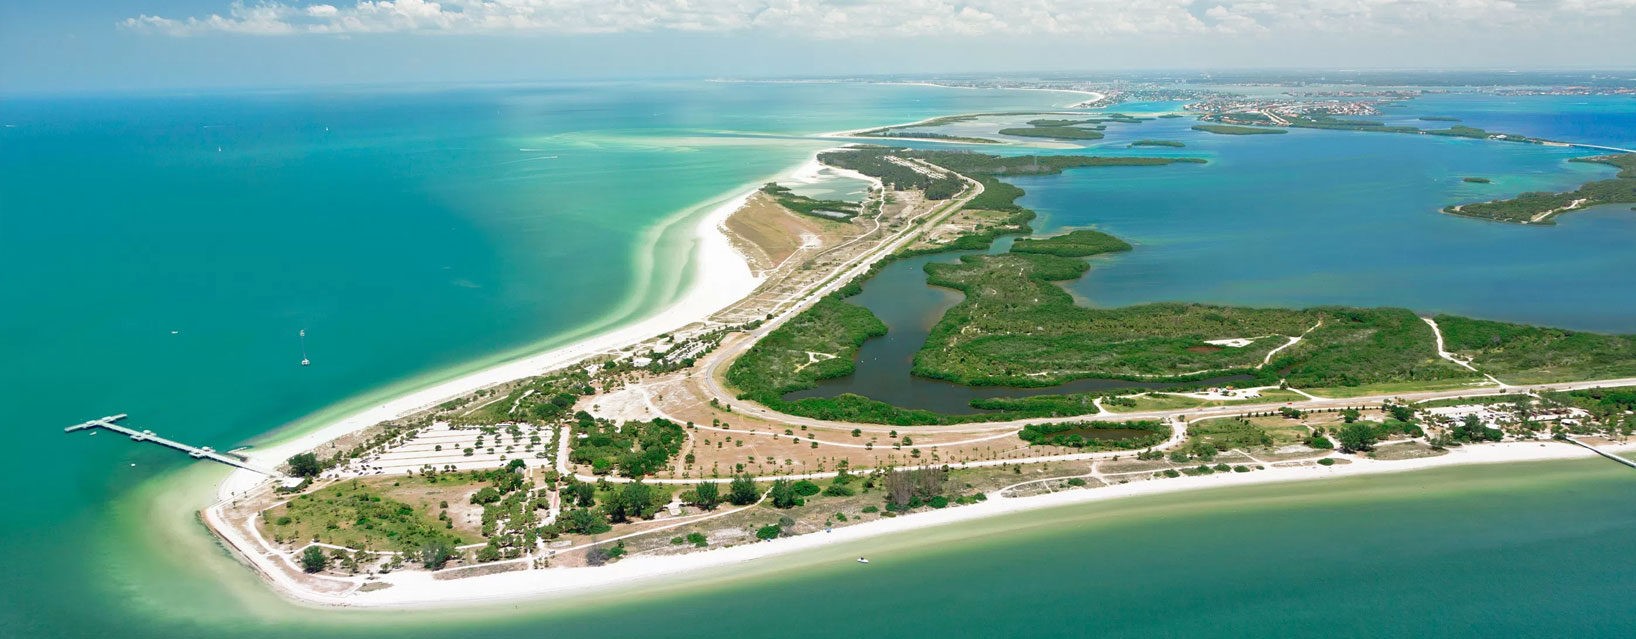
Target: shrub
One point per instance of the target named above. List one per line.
(313, 559)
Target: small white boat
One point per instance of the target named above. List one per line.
(861, 560)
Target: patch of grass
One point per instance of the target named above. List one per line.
(356, 515)
(1228, 434)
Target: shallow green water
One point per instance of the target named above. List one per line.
(1517, 550)
(413, 233)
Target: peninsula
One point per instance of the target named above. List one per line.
(670, 446)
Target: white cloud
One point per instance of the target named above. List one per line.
(876, 18)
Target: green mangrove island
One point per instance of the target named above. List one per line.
(1540, 207)
(1163, 143)
(1229, 129)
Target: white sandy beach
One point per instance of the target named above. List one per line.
(721, 276)
(421, 590)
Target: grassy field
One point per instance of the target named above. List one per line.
(1521, 354)
(360, 514)
(1228, 434)
(1389, 388)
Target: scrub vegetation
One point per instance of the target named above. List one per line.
(1519, 353)
(1085, 435)
(634, 449)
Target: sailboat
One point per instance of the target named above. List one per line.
(304, 360)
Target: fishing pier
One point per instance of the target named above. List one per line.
(196, 452)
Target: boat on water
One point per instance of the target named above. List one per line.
(861, 560)
(304, 360)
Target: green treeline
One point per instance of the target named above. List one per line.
(900, 175)
(1524, 208)
(1229, 129)
(1083, 435)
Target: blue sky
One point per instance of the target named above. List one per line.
(75, 45)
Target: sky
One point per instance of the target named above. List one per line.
(97, 45)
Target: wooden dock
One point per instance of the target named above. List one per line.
(1604, 453)
(196, 452)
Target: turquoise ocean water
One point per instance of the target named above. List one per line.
(415, 233)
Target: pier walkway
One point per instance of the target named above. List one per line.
(1600, 147)
(1604, 453)
(196, 452)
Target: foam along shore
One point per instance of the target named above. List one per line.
(419, 589)
(721, 276)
